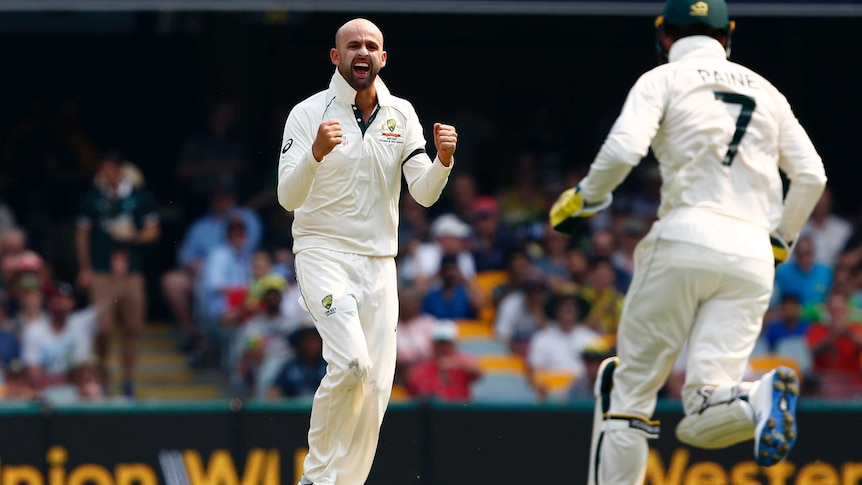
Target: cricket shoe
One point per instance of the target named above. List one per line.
(774, 406)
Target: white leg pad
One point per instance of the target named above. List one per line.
(722, 421)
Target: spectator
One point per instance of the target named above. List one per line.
(89, 380)
(632, 231)
(492, 242)
(413, 339)
(210, 158)
(224, 281)
(450, 236)
(554, 260)
(455, 298)
(558, 346)
(837, 349)
(787, 324)
(204, 234)
(263, 276)
(593, 354)
(604, 299)
(523, 204)
(519, 268)
(604, 244)
(260, 345)
(7, 219)
(300, 376)
(827, 231)
(579, 268)
(803, 276)
(31, 305)
(116, 221)
(448, 374)
(16, 386)
(52, 347)
(460, 195)
(521, 313)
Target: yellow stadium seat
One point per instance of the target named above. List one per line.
(400, 393)
(553, 381)
(474, 329)
(502, 363)
(487, 281)
(761, 364)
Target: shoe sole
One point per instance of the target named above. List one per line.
(776, 433)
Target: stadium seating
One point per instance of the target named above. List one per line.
(503, 387)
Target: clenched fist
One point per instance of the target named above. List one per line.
(328, 137)
(445, 139)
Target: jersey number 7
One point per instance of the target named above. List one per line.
(747, 103)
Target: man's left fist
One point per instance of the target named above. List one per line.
(445, 139)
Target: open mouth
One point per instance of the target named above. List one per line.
(361, 68)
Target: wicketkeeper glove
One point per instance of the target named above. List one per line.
(780, 248)
(570, 210)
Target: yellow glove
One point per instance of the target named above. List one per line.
(780, 248)
(570, 210)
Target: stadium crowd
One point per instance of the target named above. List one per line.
(486, 288)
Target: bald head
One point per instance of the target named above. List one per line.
(359, 54)
(358, 26)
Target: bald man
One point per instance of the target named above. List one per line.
(344, 152)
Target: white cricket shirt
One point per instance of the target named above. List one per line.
(349, 201)
(720, 133)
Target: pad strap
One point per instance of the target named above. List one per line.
(650, 429)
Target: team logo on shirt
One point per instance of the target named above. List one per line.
(391, 132)
(327, 303)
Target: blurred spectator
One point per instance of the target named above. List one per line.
(300, 376)
(223, 288)
(593, 354)
(260, 345)
(787, 324)
(204, 234)
(632, 231)
(16, 386)
(413, 339)
(263, 277)
(578, 265)
(7, 219)
(454, 297)
(827, 231)
(89, 380)
(604, 244)
(523, 204)
(211, 157)
(521, 313)
(51, 347)
(116, 220)
(837, 349)
(604, 299)
(460, 195)
(31, 302)
(558, 346)
(448, 374)
(450, 237)
(554, 260)
(519, 268)
(803, 276)
(491, 242)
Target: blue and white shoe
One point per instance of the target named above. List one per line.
(774, 406)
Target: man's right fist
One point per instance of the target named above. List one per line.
(328, 137)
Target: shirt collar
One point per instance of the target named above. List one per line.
(696, 46)
(345, 92)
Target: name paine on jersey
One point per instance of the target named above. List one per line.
(740, 79)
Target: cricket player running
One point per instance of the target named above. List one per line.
(704, 273)
(343, 155)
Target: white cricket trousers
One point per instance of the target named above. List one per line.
(680, 293)
(353, 300)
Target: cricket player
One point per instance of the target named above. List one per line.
(703, 275)
(344, 152)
